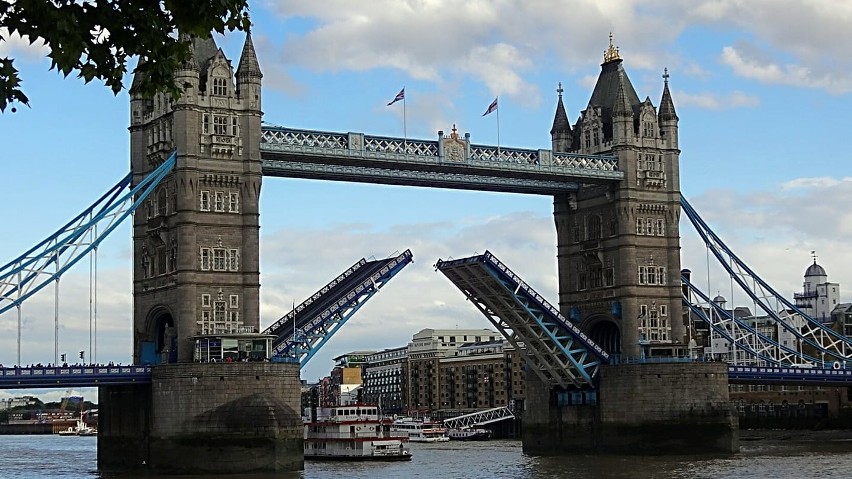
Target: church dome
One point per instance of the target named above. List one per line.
(815, 270)
(719, 299)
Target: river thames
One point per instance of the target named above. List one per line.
(37, 457)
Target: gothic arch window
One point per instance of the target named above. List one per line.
(220, 86)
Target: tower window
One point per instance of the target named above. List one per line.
(220, 201)
(220, 86)
(205, 201)
(234, 202)
(220, 125)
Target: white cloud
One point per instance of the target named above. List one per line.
(17, 46)
(770, 72)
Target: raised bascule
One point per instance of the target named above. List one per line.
(610, 365)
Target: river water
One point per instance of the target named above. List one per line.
(37, 457)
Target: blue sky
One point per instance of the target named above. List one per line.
(762, 89)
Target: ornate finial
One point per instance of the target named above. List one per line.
(666, 75)
(559, 90)
(611, 53)
(454, 135)
(813, 253)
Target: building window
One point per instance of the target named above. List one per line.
(234, 301)
(593, 227)
(219, 311)
(609, 277)
(205, 201)
(205, 300)
(220, 259)
(220, 201)
(220, 86)
(220, 125)
(640, 226)
(234, 202)
(588, 138)
(205, 125)
(596, 137)
(205, 259)
(661, 227)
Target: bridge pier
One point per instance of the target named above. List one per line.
(650, 408)
(205, 418)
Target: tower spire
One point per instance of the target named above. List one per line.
(560, 134)
(667, 109)
(249, 66)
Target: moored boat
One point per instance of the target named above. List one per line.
(352, 433)
(420, 430)
(469, 434)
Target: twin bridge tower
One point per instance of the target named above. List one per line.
(196, 267)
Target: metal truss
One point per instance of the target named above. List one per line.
(389, 176)
(285, 324)
(749, 345)
(47, 261)
(777, 308)
(787, 375)
(307, 339)
(480, 418)
(359, 157)
(555, 349)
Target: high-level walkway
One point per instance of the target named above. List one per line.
(449, 162)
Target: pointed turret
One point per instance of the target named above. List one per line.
(249, 75)
(622, 114)
(560, 134)
(668, 117)
(248, 67)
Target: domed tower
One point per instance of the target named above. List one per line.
(619, 244)
(818, 297)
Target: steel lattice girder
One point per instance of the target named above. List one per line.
(284, 325)
(814, 333)
(47, 261)
(479, 418)
(309, 338)
(560, 354)
(743, 336)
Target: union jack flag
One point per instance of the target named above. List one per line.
(399, 96)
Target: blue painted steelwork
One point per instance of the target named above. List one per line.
(558, 351)
(73, 376)
(760, 348)
(788, 375)
(449, 162)
(814, 333)
(331, 307)
(284, 326)
(51, 258)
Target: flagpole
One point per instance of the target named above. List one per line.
(404, 130)
(498, 128)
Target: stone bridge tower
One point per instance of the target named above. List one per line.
(619, 245)
(195, 241)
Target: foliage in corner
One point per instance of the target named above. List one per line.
(94, 39)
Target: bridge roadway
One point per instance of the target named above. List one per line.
(448, 162)
(36, 377)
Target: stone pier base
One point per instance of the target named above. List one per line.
(652, 408)
(205, 418)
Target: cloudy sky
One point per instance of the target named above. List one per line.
(762, 89)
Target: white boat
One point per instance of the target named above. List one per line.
(420, 430)
(469, 434)
(352, 433)
(81, 429)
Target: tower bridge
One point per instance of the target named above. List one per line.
(614, 179)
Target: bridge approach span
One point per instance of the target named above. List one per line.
(36, 377)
